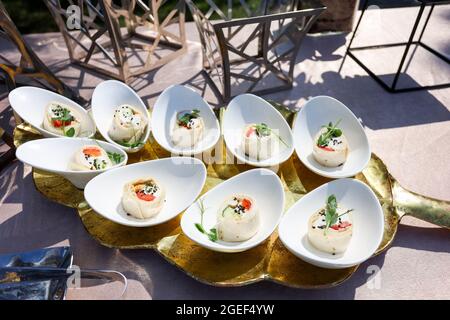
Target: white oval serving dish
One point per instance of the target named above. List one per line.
(182, 178)
(262, 185)
(368, 224)
(317, 112)
(30, 104)
(246, 109)
(176, 99)
(109, 95)
(54, 155)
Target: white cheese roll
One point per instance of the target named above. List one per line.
(188, 129)
(334, 239)
(259, 147)
(334, 153)
(128, 125)
(90, 157)
(237, 219)
(143, 198)
(60, 119)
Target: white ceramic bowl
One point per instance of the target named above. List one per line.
(174, 100)
(368, 224)
(30, 104)
(246, 109)
(182, 177)
(109, 95)
(262, 185)
(54, 155)
(312, 116)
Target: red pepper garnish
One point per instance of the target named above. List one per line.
(59, 123)
(250, 131)
(146, 197)
(341, 225)
(326, 148)
(92, 151)
(246, 204)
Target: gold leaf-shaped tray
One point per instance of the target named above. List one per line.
(270, 260)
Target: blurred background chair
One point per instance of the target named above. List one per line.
(29, 70)
(120, 41)
(256, 53)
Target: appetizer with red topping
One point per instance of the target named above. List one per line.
(330, 146)
(237, 219)
(91, 157)
(260, 142)
(62, 120)
(143, 198)
(188, 128)
(330, 229)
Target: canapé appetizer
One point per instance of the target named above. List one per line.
(237, 219)
(62, 120)
(188, 128)
(128, 126)
(330, 229)
(260, 142)
(90, 157)
(93, 157)
(143, 198)
(330, 146)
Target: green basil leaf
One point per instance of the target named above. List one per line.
(200, 228)
(70, 132)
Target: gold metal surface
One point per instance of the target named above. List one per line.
(270, 260)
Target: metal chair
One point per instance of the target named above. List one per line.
(100, 44)
(277, 27)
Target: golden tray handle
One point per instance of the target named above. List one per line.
(424, 208)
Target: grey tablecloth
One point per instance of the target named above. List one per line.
(410, 132)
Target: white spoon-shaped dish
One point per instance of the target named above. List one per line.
(182, 178)
(109, 95)
(54, 155)
(262, 185)
(246, 109)
(368, 224)
(30, 104)
(176, 99)
(312, 116)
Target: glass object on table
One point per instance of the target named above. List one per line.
(48, 274)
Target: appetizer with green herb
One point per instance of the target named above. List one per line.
(62, 120)
(188, 129)
(261, 142)
(330, 146)
(128, 126)
(92, 157)
(330, 229)
(238, 219)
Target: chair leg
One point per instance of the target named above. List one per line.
(408, 45)
(364, 8)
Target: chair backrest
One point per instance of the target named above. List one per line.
(30, 65)
(267, 35)
(228, 10)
